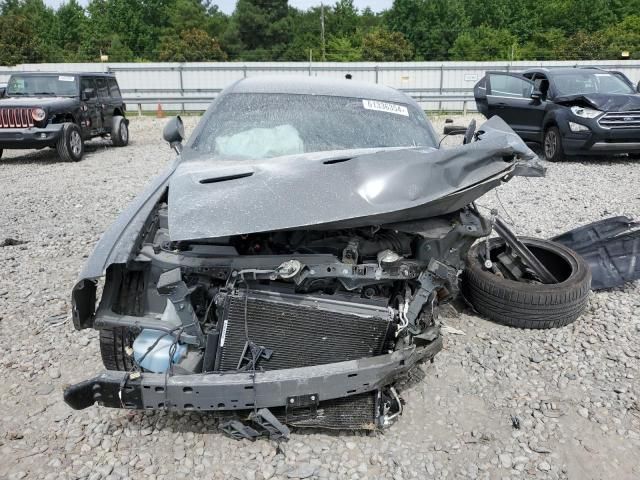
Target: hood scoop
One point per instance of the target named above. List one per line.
(225, 178)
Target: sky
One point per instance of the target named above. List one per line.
(227, 6)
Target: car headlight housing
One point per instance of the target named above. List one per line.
(38, 114)
(585, 112)
(578, 127)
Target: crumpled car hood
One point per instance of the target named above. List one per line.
(209, 199)
(606, 103)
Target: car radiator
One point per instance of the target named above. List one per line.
(299, 330)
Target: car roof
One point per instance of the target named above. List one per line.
(565, 70)
(301, 85)
(85, 74)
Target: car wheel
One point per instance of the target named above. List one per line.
(113, 348)
(70, 145)
(552, 145)
(528, 304)
(634, 156)
(120, 132)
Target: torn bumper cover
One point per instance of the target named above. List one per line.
(241, 391)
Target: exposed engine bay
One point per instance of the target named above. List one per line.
(291, 299)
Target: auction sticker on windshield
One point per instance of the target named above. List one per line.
(66, 79)
(385, 107)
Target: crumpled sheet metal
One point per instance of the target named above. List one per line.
(604, 102)
(611, 247)
(210, 199)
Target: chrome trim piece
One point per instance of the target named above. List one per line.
(620, 120)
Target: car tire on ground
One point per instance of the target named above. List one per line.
(113, 344)
(552, 145)
(1, 151)
(70, 145)
(634, 156)
(529, 305)
(120, 132)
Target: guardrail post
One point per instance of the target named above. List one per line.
(377, 69)
(181, 84)
(244, 70)
(441, 84)
(139, 109)
(464, 108)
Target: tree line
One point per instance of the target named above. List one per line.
(273, 30)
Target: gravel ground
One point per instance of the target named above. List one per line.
(574, 391)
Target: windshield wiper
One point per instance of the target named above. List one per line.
(44, 93)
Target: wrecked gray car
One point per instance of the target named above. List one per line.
(287, 268)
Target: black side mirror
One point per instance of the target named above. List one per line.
(2, 91)
(448, 120)
(454, 130)
(536, 94)
(87, 94)
(174, 133)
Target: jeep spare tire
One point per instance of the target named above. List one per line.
(527, 303)
(70, 145)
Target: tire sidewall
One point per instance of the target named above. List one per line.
(67, 133)
(116, 135)
(579, 268)
(558, 154)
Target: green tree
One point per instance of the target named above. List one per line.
(71, 21)
(342, 49)
(485, 43)
(18, 42)
(383, 46)
(194, 45)
(42, 21)
(546, 45)
(263, 27)
(432, 26)
(624, 36)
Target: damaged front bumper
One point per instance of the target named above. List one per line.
(292, 389)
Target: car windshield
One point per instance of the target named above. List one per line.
(42, 85)
(259, 125)
(577, 83)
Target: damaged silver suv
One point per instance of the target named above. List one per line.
(287, 268)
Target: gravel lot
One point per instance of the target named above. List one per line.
(574, 391)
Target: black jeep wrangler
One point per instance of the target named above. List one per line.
(61, 110)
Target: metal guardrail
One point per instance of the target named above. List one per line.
(417, 95)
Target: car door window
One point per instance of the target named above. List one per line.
(502, 85)
(114, 90)
(87, 83)
(103, 89)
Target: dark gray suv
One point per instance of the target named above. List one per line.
(570, 111)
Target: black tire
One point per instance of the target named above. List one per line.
(70, 145)
(113, 342)
(529, 305)
(1, 152)
(633, 156)
(120, 132)
(552, 145)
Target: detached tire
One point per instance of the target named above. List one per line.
(529, 305)
(70, 145)
(113, 342)
(552, 145)
(120, 132)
